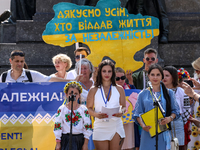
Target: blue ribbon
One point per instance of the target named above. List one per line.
(105, 101)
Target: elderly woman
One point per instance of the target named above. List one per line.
(86, 70)
(86, 81)
(62, 63)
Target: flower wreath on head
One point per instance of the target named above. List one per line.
(73, 82)
(182, 74)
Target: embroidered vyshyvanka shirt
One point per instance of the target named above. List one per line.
(80, 122)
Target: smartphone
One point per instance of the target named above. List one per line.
(189, 82)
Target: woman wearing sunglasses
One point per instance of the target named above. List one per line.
(129, 141)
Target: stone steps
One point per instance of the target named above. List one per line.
(182, 49)
(7, 33)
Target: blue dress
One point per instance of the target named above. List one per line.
(145, 103)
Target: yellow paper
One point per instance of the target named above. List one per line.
(149, 120)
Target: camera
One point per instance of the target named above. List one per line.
(189, 82)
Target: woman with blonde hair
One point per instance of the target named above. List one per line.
(62, 63)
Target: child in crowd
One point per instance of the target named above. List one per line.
(81, 124)
(188, 105)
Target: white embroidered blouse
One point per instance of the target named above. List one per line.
(80, 122)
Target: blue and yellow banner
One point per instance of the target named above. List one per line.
(108, 30)
(27, 113)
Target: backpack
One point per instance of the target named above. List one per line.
(28, 74)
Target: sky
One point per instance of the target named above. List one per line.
(4, 5)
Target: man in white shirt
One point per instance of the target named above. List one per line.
(17, 73)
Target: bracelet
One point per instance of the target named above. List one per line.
(123, 110)
(171, 118)
(58, 140)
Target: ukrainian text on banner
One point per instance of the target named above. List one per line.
(27, 115)
(28, 110)
(108, 30)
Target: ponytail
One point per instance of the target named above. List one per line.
(168, 102)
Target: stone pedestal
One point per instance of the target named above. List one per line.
(44, 10)
(182, 49)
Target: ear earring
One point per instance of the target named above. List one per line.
(78, 101)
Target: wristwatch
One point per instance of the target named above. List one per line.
(171, 117)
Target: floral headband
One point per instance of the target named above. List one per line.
(183, 74)
(73, 82)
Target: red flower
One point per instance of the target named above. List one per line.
(76, 118)
(90, 126)
(55, 125)
(58, 126)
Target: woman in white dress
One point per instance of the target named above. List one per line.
(62, 63)
(108, 133)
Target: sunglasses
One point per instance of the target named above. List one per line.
(78, 56)
(122, 78)
(152, 59)
(18, 54)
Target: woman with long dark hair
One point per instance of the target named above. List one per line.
(145, 103)
(108, 133)
(171, 82)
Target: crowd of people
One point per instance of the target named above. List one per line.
(101, 88)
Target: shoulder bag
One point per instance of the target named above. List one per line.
(174, 141)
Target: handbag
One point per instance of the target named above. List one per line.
(174, 141)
